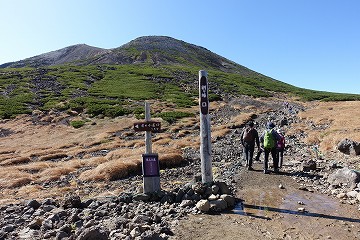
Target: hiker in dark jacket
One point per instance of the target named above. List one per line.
(248, 139)
(270, 149)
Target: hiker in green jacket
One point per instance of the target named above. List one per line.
(269, 139)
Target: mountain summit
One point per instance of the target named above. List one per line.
(156, 50)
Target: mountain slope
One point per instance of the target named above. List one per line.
(71, 54)
(114, 82)
(155, 50)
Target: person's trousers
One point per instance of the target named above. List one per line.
(249, 153)
(274, 157)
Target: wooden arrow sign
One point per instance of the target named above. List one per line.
(147, 126)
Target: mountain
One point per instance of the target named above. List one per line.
(71, 54)
(156, 50)
(113, 82)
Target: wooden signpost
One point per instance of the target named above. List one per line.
(150, 161)
(205, 132)
(147, 126)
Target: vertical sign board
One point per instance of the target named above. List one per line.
(150, 165)
(205, 133)
(204, 101)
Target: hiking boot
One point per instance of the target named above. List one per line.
(266, 172)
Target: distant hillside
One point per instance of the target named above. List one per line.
(114, 82)
(71, 54)
(156, 50)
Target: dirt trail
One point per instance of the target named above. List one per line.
(266, 211)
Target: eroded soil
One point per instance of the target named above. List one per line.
(266, 211)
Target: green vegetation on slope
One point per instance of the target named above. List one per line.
(115, 90)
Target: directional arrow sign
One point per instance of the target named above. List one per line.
(147, 126)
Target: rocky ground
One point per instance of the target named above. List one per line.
(311, 198)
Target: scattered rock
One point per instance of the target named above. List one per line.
(344, 176)
(349, 147)
(203, 205)
(308, 166)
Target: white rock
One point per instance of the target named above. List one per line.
(341, 195)
(203, 205)
(301, 209)
(213, 197)
(352, 194)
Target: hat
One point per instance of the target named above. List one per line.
(270, 125)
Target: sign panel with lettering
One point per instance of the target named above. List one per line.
(151, 165)
(147, 126)
(204, 101)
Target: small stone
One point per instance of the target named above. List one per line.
(203, 205)
(301, 209)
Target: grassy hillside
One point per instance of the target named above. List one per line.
(115, 90)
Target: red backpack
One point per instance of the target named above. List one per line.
(280, 144)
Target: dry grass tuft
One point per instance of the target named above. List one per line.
(54, 173)
(170, 160)
(313, 138)
(162, 139)
(18, 182)
(111, 170)
(15, 161)
(13, 178)
(188, 141)
(240, 120)
(219, 132)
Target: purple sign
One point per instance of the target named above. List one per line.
(150, 165)
(204, 101)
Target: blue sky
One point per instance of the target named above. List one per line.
(313, 44)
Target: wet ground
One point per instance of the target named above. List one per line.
(267, 210)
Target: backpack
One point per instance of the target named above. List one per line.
(248, 135)
(269, 141)
(281, 143)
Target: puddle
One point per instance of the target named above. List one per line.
(266, 204)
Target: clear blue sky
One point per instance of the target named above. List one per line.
(312, 44)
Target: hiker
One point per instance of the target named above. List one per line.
(248, 139)
(280, 146)
(269, 139)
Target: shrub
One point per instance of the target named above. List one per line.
(77, 123)
(172, 117)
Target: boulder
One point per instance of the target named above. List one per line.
(93, 233)
(349, 147)
(223, 188)
(344, 176)
(229, 199)
(203, 205)
(141, 197)
(352, 194)
(187, 203)
(308, 166)
(72, 201)
(218, 205)
(33, 203)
